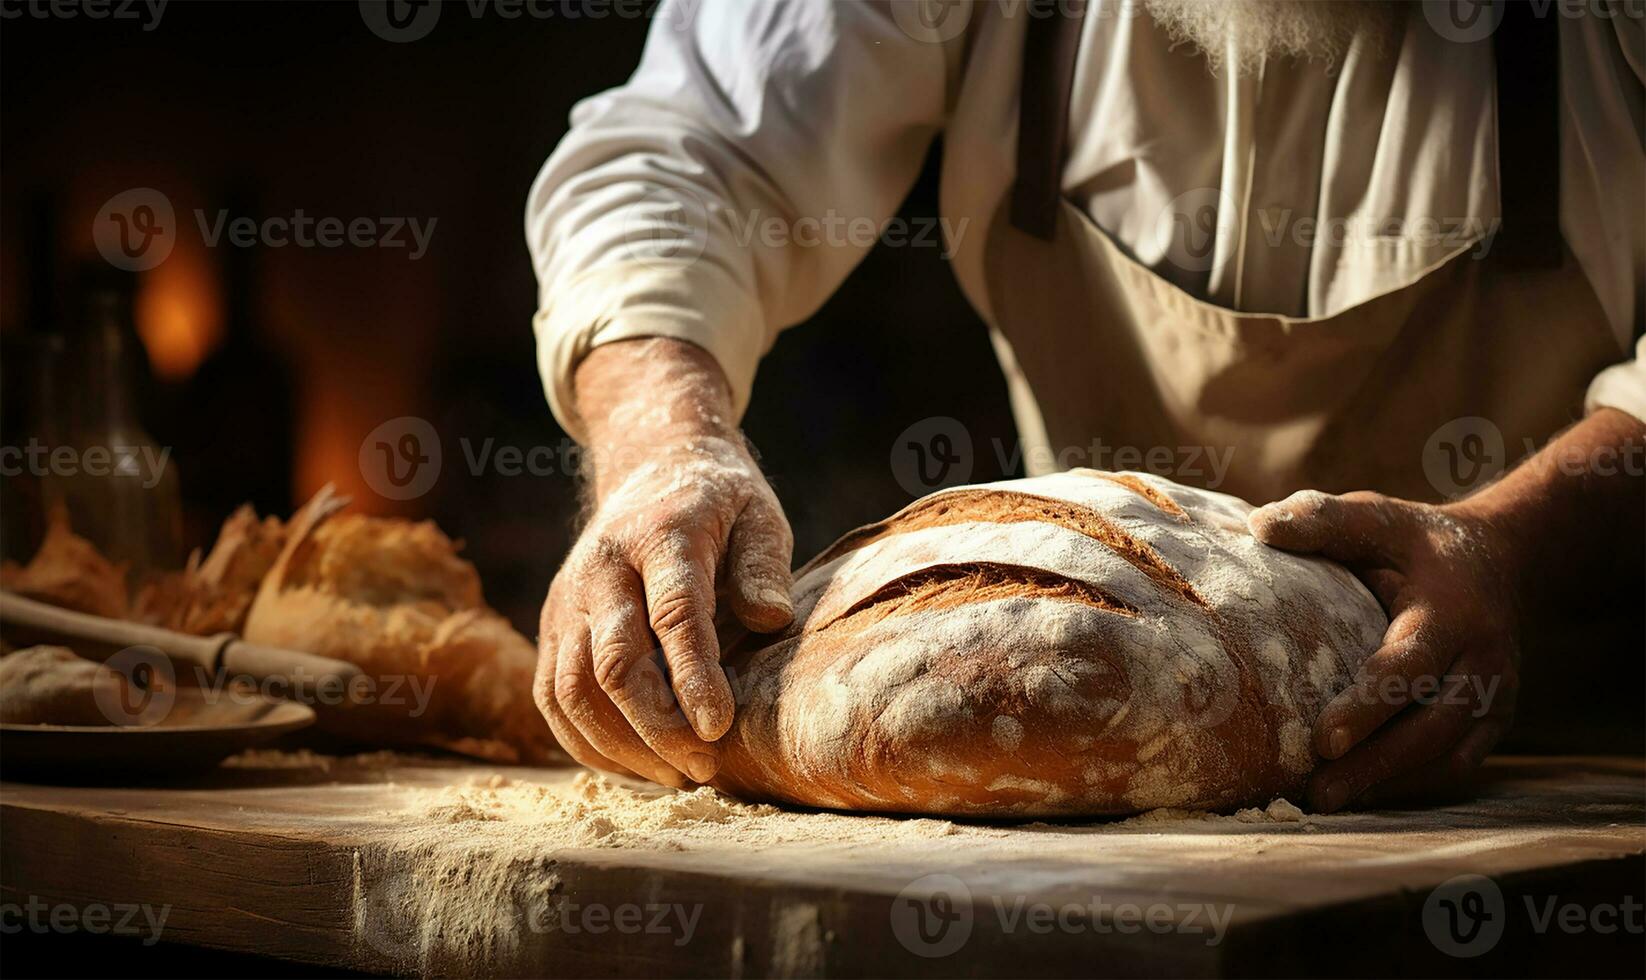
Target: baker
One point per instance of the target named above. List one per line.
(1295, 231)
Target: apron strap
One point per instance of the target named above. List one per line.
(1527, 51)
(1526, 48)
(1049, 48)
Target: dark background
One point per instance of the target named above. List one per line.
(269, 366)
(272, 365)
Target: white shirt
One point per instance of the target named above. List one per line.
(730, 186)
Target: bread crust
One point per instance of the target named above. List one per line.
(394, 598)
(1081, 644)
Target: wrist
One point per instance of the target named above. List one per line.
(1565, 524)
(645, 398)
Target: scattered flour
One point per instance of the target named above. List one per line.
(1278, 811)
(499, 841)
(598, 811)
(309, 759)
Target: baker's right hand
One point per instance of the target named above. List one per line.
(673, 518)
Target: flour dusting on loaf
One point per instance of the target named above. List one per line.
(1077, 644)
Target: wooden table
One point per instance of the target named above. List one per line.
(332, 865)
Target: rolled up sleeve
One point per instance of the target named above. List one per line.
(1606, 56)
(720, 195)
(1621, 386)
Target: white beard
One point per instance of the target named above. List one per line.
(1241, 34)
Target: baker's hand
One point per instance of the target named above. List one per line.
(680, 508)
(1429, 704)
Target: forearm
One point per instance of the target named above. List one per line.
(1573, 516)
(636, 397)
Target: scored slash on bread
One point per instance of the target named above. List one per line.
(1080, 644)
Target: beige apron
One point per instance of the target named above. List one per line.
(1110, 365)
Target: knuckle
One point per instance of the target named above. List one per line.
(606, 547)
(571, 689)
(611, 658)
(673, 613)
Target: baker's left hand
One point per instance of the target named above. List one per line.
(1428, 705)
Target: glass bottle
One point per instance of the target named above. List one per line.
(120, 485)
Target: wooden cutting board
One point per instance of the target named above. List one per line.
(408, 865)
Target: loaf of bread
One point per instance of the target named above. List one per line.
(68, 571)
(393, 597)
(213, 594)
(1086, 643)
(49, 685)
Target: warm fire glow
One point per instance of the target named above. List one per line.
(179, 312)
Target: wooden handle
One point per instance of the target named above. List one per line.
(98, 637)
